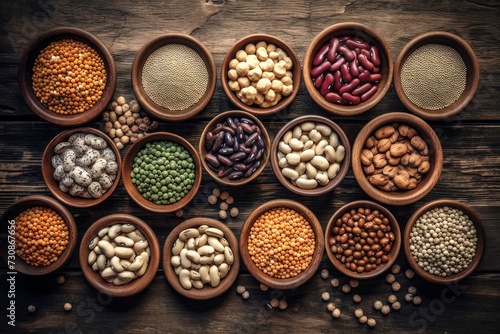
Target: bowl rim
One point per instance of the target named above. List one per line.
(347, 110)
(25, 82)
(207, 292)
(48, 170)
(394, 250)
(264, 159)
(344, 168)
(463, 49)
(26, 202)
(481, 241)
(145, 101)
(398, 197)
(304, 276)
(127, 167)
(297, 74)
(138, 284)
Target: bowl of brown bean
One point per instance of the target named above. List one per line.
(41, 235)
(282, 243)
(261, 74)
(234, 148)
(348, 68)
(436, 75)
(174, 77)
(67, 76)
(362, 239)
(397, 158)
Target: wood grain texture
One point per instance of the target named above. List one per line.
(470, 141)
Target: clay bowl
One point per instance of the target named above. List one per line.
(128, 162)
(146, 102)
(203, 151)
(208, 292)
(53, 185)
(304, 276)
(26, 72)
(354, 30)
(480, 241)
(136, 285)
(428, 181)
(296, 71)
(472, 77)
(393, 254)
(344, 166)
(19, 206)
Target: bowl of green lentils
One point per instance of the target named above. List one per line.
(161, 172)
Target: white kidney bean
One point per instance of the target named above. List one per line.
(320, 162)
(297, 132)
(330, 154)
(290, 173)
(103, 232)
(189, 233)
(136, 264)
(206, 250)
(281, 155)
(93, 243)
(293, 159)
(333, 170)
(91, 258)
(323, 129)
(125, 264)
(207, 259)
(322, 177)
(223, 270)
(178, 246)
(124, 252)
(296, 144)
(127, 228)
(175, 260)
(315, 136)
(197, 284)
(136, 235)
(307, 126)
(193, 256)
(101, 261)
(228, 254)
(144, 267)
(97, 250)
(215, 243)
(185, 262)
(340, 154)
(194, 275)
(301, 168)
(334, 140)
(184, 279)
(214, 232)
(190, 243)
(304, 139)
(283, 163)
(202, 240)
(178, 270)
(218, 259)
(114, 231)
(123, 241)
(203, 228)
(224, 242)
(311, 170)
(320, 147)
(116, 264)
(214, 276)
(287, 136)
(140, 246)
(305, 183)
(307, 155)
(108, 273)
(284, 147)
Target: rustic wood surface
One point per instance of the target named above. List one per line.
(470, 140)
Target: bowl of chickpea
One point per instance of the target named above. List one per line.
(281, 244)
(67, 76)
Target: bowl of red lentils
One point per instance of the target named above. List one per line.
(67, 76)
(173, 77)
(41, 235)
(281, 244)
(362, 239)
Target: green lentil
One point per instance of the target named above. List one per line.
(163, 172)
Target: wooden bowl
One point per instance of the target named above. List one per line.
(26, 72)
(240, 45)
(427, 182)
(320, 190)
(147, 103)
(393, 254)
(128, 162)
(480, 241)
(472, 79)
(304, 276)
(9, 216)
(53, 185)
(207, 292)
(203, 151)
(355, 30)
(136, 285)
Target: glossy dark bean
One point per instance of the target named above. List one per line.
(231, 123)
(237, 156)
(247, 128)
(226, 150)
(259, 154)
(228, 139)
(239, 133)
(243, 148)
(218, 141)
(212, 160)
(249, 142)
(225, 160)
(223, 171)
(252, 169)
(209, 141)
(246, 120)
(235, 175)
(250, 158)
(240, 167)
(260, 142)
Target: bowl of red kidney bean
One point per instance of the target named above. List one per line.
(362, 239)
(234, 148)
(348, 68)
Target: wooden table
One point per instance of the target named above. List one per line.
(471, 144)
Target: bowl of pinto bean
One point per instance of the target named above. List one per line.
(362, 239)
(348, 68)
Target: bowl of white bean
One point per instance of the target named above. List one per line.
(119, 255)
(444, 241)
(310, 155)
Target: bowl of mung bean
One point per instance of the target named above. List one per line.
(174, 77)
(436, 75)
(161, 172)
(41, 235)
(67, 76)
(119, 255)
(444, 241)
(362, 239)
(261, 74)
(282, 243)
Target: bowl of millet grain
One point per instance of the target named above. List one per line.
(173, 77)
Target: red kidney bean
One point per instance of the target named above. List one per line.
(351, 98)
(319, 80)
(369, 93)
(346, 74)
(348, 54)
(367, 77)
(321, 68)
(374, 56)
(225, 160)
(337, 82)
(376, 69)
(357, 51)
(362, 89)
(212, 159)
(228, 129)
(246, 127)
(218, 141)
(354, 69)
(334, 45)
(244, 149)
(251, 139)
(349, 87)
(333, 97)
(240, 167)
(256, 129)
(223, 171)
(363, 60)
(357, 44)
(209, 141)
(366, 53)
(321, 55)
(335, 66)
(325, 87)
(344, 38)
(252, 169)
